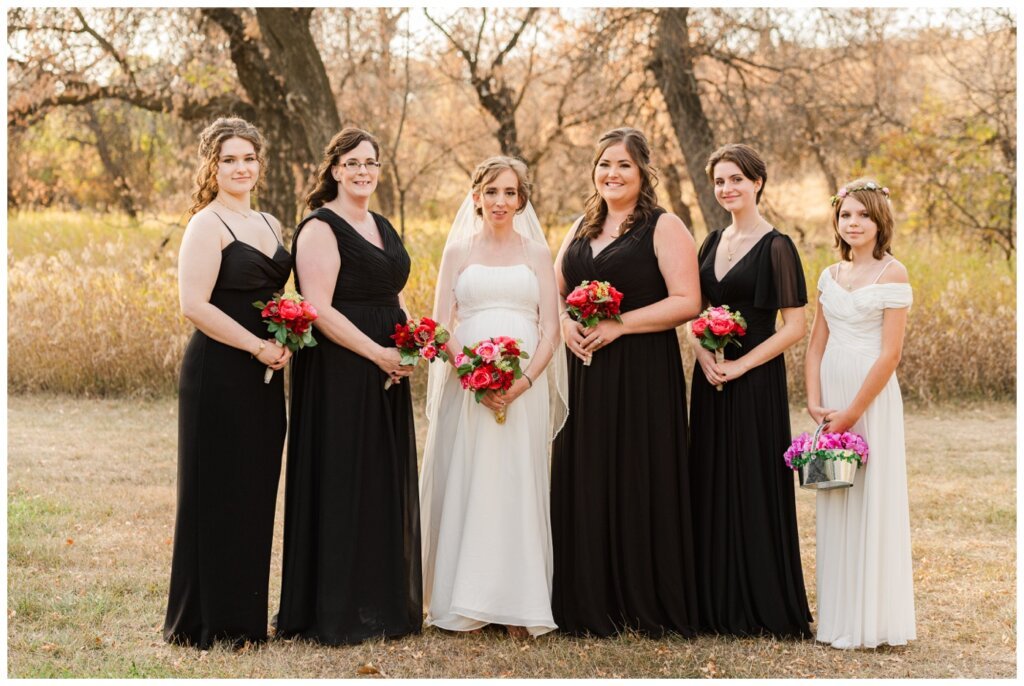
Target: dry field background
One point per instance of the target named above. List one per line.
(91, 487)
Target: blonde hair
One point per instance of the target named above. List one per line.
(488, 171)
(868, 193)
(210, 142)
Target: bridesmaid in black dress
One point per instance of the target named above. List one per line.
(231, 426)
(620, 491)
(351, 525)
(749, 578)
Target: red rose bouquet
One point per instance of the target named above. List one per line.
(592, 301)
(415, 339)
(490, 365)
(290, 319)
(717, 327)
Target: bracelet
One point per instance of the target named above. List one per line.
(263, 344)
(528, 379)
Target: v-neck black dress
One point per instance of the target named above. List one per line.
(749, 579)
(231, 429)
(620, 491)
(352, 522)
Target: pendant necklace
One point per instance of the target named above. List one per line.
(232, 209)
(730, 251)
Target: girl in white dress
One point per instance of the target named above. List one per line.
(864, 571)
(484, 486)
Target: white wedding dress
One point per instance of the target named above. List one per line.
(864, 571)
(484, 486)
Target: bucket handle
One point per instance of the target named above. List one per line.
(817, 434)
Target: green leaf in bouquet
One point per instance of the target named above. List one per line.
(409, 359)
(259, 305)
(479, 395)
(281, 335)
(524, 355)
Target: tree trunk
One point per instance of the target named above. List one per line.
(673, 68)
(672, 184)
(291, 95)
(113, 166)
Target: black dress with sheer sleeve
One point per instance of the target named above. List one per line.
(231, 429)
(749, 578)
(352, 523)
(620, 490)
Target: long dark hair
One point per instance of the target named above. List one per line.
(596, 209)
(326, 188)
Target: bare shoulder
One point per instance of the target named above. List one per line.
(536, 250)
(315, 231)
(671, 228)
(896, 272)
(205, 228)
(274, 223)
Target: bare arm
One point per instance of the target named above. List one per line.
(812, 365)
(677, 262)
(319, 262)
(792, 330)
(894, 327)
(445, 307)
(572, 331)
(199, 261)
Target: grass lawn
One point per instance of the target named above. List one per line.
(90, 506)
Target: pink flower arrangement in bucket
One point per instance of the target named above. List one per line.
(827, 460)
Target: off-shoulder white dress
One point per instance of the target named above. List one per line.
(864, 571)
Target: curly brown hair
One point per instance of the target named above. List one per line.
(596, 209)
(325, 188)
(210, 142)
(489, 169)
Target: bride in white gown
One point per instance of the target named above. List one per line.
(864, 570)
(484, 486)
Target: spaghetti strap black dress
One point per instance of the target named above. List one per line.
(620, 489)
(352, 522)
(231, 430)
(749, 578)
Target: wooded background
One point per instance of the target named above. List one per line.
(105, 104)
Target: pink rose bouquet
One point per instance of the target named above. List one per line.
(290, 318)
(490, 365)
(717, 327)
(592, 301)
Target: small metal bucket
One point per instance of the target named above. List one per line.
(822, 475)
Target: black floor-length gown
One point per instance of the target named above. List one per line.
(749, 579)
(351, 524)
(620, 489)
(231, 430)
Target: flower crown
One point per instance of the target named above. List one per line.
(846, 190)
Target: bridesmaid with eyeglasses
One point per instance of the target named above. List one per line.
(352, 522)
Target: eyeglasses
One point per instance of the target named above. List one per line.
(354, 165)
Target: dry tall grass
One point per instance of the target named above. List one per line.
(96, 310)
(91, 517)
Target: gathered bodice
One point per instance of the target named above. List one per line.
(767, 278)
(628, 263)
(855, 317)
(369, 276)
(481, 287)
